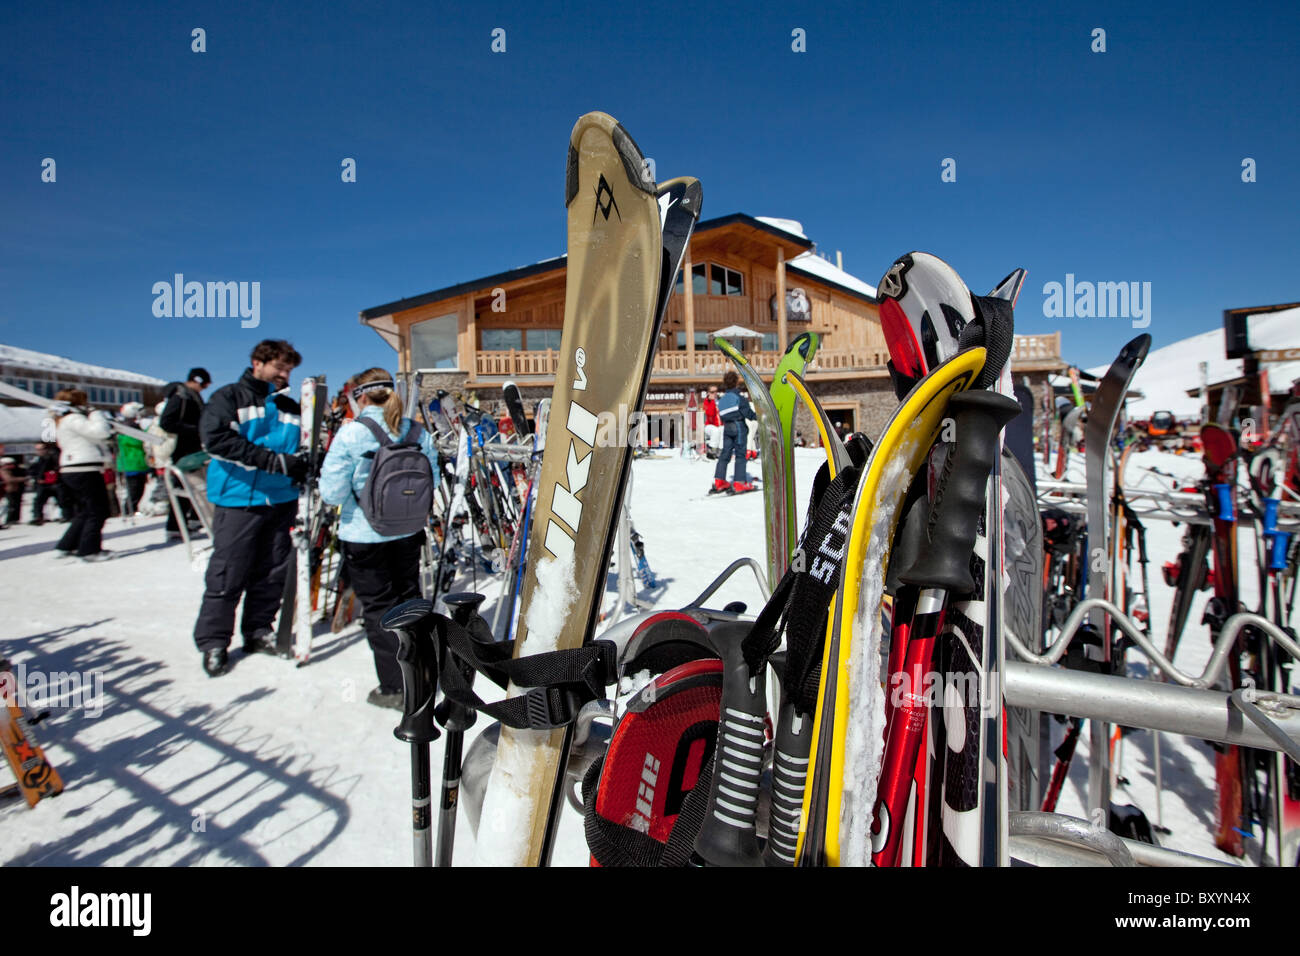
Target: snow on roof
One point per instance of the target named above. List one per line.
(792, 226)
(1171, 370)
(9, 355)
(811, 262)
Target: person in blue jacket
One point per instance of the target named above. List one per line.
(383, 570)
(733, 409)
(251, 430)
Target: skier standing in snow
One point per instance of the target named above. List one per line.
(252, 432)
(382, 569)
(712, 423)
(48, 484)
(180, 416)
(733, 410)
(83, 456)
(132, 462)
(13, 479)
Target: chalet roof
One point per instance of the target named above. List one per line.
(787, 230)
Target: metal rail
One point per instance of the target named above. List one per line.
(1213, 669)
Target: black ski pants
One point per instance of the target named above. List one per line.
(134, 489)
(382, 576)
(89, 512)
(15, 499)
(250, 557)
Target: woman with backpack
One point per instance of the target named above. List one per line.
(380, 469)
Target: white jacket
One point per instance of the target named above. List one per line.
(83, 441)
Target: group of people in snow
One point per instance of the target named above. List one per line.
(252, 430)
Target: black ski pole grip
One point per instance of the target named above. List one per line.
(464, 611)
(417, 655)
(978, 416)
(728, 836)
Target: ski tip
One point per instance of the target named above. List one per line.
(685, 191)
(1009, 288)
(635, 167)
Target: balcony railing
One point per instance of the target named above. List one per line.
(1028, 350)
(518, 363)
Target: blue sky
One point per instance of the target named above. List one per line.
(225, 165)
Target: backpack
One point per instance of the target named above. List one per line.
(398, 494)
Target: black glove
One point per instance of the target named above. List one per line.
(295, 466)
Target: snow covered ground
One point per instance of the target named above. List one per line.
(277, 765)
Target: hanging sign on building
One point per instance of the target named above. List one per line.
(797, 306)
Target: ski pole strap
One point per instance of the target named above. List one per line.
(994, 329)
(558, 683)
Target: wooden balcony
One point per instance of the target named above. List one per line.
(537, 365)
(1029, 353)
(1037, 353)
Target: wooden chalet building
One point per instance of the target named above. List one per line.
(760, 274)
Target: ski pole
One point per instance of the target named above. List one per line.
(728, 836)
(417, 655)
(942, 569)
(456, 719)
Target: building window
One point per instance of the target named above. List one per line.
(709, 278)
(541, 339)
(433, 343)
(498, 340)
(724, 281)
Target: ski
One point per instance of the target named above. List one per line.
(798, 354)
(515, 405)
(1220, 449)
(31, 398)
(776, 506)
(294, 633)
(851, 638)
(1103, 414)
(626, 238)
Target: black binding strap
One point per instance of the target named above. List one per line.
(557, 683)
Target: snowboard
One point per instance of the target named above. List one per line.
(36, 776)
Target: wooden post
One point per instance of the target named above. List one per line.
(688, 289)
(780, 301)
(468, 345)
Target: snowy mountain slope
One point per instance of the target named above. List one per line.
(1172, 368)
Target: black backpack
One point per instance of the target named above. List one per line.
(398, 494)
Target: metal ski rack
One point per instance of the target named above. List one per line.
(197, 497)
